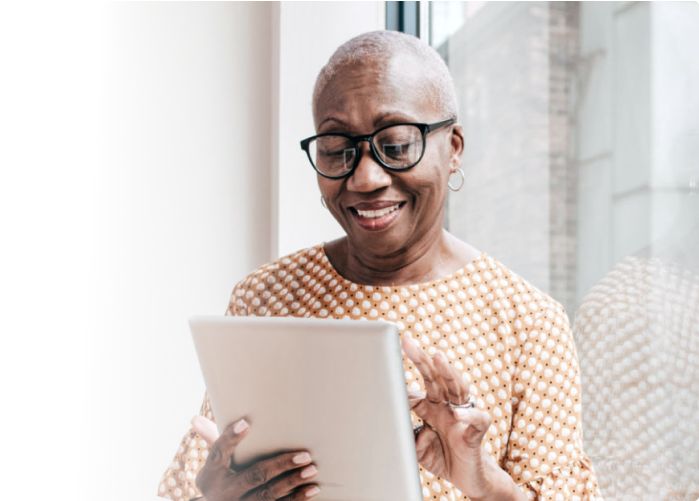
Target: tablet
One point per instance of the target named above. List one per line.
(334, 387)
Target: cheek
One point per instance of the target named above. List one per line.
(430, 181)
(431, 188)
(327, 190)
(330, 191)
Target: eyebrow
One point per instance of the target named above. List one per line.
(331, 119)
(392, 113)
(389, 113)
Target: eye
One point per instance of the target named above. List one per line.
(399, 144)
(345, 153)
(333, 146)
(396, 150)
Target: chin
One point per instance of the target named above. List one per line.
(379, 243)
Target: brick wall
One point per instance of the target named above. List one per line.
(513, 64)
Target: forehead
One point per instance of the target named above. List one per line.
(361, 91)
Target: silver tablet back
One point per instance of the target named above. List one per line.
(334, 387)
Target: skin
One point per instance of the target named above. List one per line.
(284, 477)
(413, 248)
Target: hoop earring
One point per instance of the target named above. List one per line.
(322, 202)
(463, 180)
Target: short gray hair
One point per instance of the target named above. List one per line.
(383, 45)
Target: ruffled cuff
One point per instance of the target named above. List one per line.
(575, 481)
(178, 481)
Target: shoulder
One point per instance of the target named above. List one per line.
(527, 298)
(527, 315)
(263, 280)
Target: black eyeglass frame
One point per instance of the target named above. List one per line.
(424, 128)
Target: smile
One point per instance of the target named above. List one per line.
(376, 219)
(372, 214)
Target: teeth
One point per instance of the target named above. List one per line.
(377, 213)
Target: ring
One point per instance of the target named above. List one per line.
(469, 404)
(417, 428)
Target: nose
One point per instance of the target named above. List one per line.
(369, 175)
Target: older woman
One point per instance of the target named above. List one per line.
(387, 150)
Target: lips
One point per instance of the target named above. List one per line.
(373, 214)
(376, 216)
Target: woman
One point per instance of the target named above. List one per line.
(387, 150)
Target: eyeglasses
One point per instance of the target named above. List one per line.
(396, 147)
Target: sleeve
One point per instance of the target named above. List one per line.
(178, 482)
(545, 446)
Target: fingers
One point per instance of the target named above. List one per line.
(444, 385)
(457, 388)
(213, 476)
(442, 381)
(415, 397)
(224, 447)
(305, 492)
(436, 393)
(284, 476)
(413, 393)
(285, 485)
(428, 448)
(425, 439)
(205, 428)
(262, 476)
(478, 423)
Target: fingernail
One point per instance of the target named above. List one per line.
(240, 426)
(312, 491)
(462, 413)
(309, 471)
(302, 458)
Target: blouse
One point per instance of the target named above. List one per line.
(638, 331)
(511, 342)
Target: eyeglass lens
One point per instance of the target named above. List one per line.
(397, 147)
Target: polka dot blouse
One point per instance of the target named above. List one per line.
(512, 343)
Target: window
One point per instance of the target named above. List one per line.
(581, 122)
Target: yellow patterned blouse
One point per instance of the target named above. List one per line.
(511, 341)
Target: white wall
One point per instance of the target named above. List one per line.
(144, 145)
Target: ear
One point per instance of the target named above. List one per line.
(457, 148)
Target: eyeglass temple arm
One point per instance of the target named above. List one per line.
(439, 125)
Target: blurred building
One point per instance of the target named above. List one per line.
(581, 122)
(513, 65)
(582, 131)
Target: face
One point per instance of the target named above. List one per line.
(386, 212)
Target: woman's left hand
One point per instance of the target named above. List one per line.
(450, 444)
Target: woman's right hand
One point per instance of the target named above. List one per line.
(283, 477)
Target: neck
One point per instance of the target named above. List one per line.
(426, 261)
